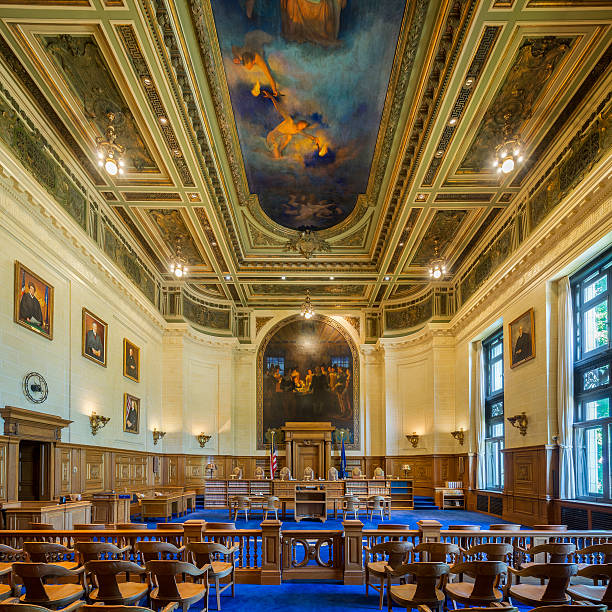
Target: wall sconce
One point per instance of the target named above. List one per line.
(520, 422)
(459, 435)
(96, 422)
(157, 435)
(413, 439)
(203, 439)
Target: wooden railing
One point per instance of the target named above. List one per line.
(268, 555)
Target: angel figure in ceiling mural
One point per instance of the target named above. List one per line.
(314, 21)
(251, 55)
(278, 138)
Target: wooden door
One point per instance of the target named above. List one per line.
(307, 456)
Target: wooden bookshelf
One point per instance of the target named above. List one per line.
(402, 494)
(449, 499)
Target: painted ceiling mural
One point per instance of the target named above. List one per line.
(307, 82)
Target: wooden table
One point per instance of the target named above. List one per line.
(19, 515)
(161, 506)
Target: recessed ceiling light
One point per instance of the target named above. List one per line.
(452, 121)
(421, 196)
(213, 244)
(177, 152)
(283, 278)
(228, 277)
(387, 278)
(439, 153)
(147, 81)
(401, 244)
(332, 277)
(468, 82)
(163, 120)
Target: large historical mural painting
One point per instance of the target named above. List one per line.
(308, 370)
(307, 82)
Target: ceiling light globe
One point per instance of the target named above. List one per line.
(508, 165)
(100, 155)
(437, 273)
(178, 273)
(307, 315)
(111, 166)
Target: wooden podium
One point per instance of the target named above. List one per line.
(308, 444)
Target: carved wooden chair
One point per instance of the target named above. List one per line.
(285, 473)
(591, 593)
(270, 505)
(332, 474)
(494, 607)
(553, 552)
(236, 473)
(394, 554)
(88, 526)
(153, 550)
(596, 553)
(438, 552)
(109, 590)
(393, 527)
(504, 527)
(14, 606)
(493, 551)
(552, 593)
(33, 575)
(356, 472)
(259, 473)
(379, 473)
(309, 473)
(102, 608)
(424, 591)
(50, 552)
(221, 563)
(94, 551)
(484, 590)
(168, 590)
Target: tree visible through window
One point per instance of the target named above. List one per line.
(592, 388)
(493, 350)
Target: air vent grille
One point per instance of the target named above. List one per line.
(577, 518)
(482, 503)
(599, 520)
(496, 505)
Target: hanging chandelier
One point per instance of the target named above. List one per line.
(178, 267)
(307, 311)
(437, 267)
(510, 153)
(110, 154)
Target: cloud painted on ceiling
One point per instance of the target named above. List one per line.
(307, 82)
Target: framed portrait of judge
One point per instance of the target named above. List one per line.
(131, 413)
(131, 361)
(94, 335)
(33, 302)
(522, 339)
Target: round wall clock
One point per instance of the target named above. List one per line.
(35, 387)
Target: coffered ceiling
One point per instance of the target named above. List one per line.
(359, 133)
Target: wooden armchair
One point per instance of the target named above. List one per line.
(494, 551)
(168, 590)
(32, 576)
(437, 552)
(102, 608)
(483, 591)
(552, 593)
(109, 590)
(394, 555)
(94, 551)
(594, 594)
(603, 552)
(14, 606)
(153, 550)
(49, 552)
(227, 541)
(499, 607)
(553, 552)
(215, 556)
(424, 590)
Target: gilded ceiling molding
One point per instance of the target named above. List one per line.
(48, 111)
(260, 323)
(455, 28)
(127, 35)
(202, 216)
(307, 243)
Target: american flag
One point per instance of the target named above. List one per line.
(273, 458)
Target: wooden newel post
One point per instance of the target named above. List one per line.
(429, 530)
(353, 552)
(271, 552)
(192, 532)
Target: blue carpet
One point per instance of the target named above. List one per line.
(410, 517)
